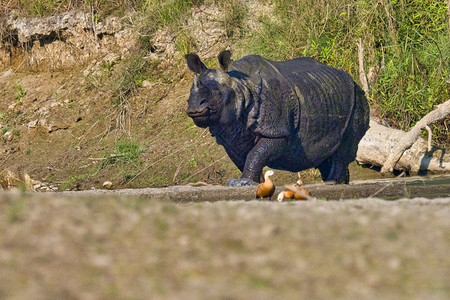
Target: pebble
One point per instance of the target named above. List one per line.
(107, 185)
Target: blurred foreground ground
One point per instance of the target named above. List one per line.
(61, 246)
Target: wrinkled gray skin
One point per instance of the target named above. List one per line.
(289, 115)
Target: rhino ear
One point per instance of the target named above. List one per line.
(225, 60)
(194, 63)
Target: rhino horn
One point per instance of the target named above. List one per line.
(224, 79)
(195, 85)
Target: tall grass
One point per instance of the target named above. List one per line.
(414, 79)
(406, 40)
(166, 13)
(40, 8)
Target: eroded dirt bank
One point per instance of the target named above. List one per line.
(84, 102)
(116, 247)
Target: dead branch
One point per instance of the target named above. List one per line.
(362, 74)
(430, 134)
(299, 192)
(441, 111)
(376, 146)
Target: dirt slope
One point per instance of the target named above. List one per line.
(78, 107)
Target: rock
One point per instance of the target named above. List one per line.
(206, 25)
(164, 42)
(147, 84)
(32, 124)
(7, 73)
(8, 136)
(53, 125)
(62, 41)
(107, 185)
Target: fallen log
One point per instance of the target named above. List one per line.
(408, 139)
(380, 141)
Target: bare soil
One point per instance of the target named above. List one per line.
(59, 246)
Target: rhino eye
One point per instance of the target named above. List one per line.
(203, 90)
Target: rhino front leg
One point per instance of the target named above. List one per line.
(263, 152)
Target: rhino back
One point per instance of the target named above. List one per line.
(308, 102)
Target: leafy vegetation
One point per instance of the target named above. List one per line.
(127, 151)
(125, 160)
(20, 92)
(73, 182)
(406, 41)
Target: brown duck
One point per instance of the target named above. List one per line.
(294, 191)
(266, 189)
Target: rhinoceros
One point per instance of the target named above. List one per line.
(288, 115)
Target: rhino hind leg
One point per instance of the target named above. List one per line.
(339, 173)
(334, 170)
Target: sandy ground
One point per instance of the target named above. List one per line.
(60, 246)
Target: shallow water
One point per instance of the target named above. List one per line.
(389, 189)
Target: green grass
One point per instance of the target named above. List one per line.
(101, 8)
(412, 84)
(20, 92)
(124, 160)
(127, 150)
(166, 13)
(73, 181)
(407, 41)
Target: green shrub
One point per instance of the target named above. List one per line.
(127, 150)
(20, 92)
(407, 42)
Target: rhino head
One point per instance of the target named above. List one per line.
(212, 93)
